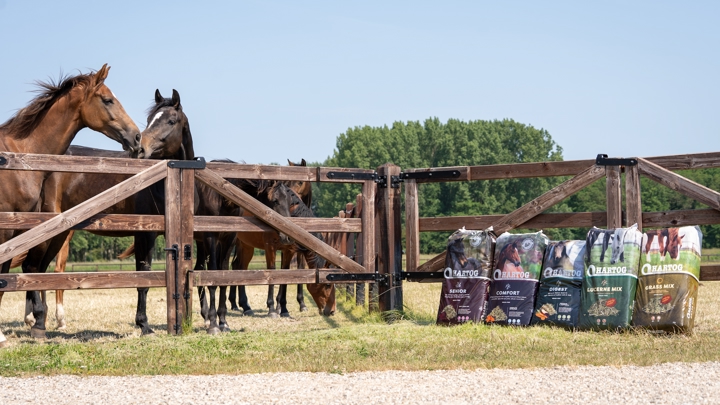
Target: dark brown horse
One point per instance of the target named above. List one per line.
(245, 244)
(237, 301)
(48, 125)
(214, 248)
(167, 136)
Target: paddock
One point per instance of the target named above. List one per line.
(378, 227)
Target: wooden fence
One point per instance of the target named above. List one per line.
(376, 223)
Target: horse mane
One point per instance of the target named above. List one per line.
(24, 122)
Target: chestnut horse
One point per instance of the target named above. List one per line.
(669, 241)
(167, 136)
(509, 254)
(47, 125)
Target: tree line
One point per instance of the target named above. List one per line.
(432, 143)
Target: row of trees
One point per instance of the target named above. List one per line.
(433, 143)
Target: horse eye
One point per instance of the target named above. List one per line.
(107, 101)
(171, 122)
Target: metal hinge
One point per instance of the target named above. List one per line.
(197, 163)
(603, 160)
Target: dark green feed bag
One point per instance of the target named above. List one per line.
(611, 268)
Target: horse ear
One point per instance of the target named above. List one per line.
(303, 162)
(176, 99)
(101, 75)
(158, 97)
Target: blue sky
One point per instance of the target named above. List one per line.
(274, 80)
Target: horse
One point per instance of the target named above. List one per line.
(214, 247)
(457, 260)
(47, 125)
(669, 241)
(558, 256)
(304, 190)
(592, 236)
(245, 244)
(167, 136)
(509, 254)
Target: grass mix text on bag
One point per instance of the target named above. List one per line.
(668, 282)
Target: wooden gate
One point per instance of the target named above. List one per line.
(178, 225)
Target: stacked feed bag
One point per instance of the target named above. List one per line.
(468, 264)
(668, 282)
(518, 261)
(558, 299)
(611, 267)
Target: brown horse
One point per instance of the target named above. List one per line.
(47, 125)
(304, 190)
(509, 255)
(167, 136)
(668, 239)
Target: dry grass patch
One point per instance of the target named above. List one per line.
(101, 339)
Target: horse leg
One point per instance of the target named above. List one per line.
(270, 262)
(60, 263)
(301, 264)
(213, 329)
(243, 256)
(144, 243)
(200, 265)
(222, 310)
(4, 269)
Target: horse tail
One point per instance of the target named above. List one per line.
(128, 252)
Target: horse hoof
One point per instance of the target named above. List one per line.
(37, 333)
(61, 327)
(225, 328)
(303, 308)
(249, 312)
(147, 332)
(272, 314)
(213, 331)
(285, 314)
(235, 309)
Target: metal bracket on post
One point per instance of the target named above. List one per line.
(3, 160)
(197, 163)
(3, 283)
(175, 253)
(352, 176)
(603, 160)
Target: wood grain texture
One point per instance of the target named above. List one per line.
(368, 225)
(276, 221)
(412, 226)
(680, 184)
(66, 163)
(548, 199)
(633, 203)
(69, 218)
(710, 272)
(246, 171)
(613, 195)
(527, 170)
(82, 280)
(541, 221)
(261, 277)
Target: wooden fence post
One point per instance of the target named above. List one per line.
(614, 197)
(179, 204)
(389, 232)
(412, 226)
(360, 252)
(633, 203)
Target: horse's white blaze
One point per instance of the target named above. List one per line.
(155, 118)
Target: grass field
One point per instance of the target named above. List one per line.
(101, 339)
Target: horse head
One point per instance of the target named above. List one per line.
(279, 197)
(509, 253)
(674, 241)
(167, 134)
(618, 246)
(303, 188)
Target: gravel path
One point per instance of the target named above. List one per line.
(673, 383)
